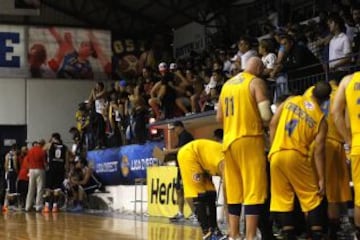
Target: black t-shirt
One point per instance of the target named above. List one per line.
(184, 138)
(57, 156)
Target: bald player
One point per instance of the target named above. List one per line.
(199, 160)
(244, 110)
(347, 107)
(336, 171)
(296, 124)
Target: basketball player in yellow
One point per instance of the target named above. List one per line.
(336, 171)
(347, 107)
(198, 161)
(244, 109)
(296, 124)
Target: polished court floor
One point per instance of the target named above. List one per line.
(67, 226)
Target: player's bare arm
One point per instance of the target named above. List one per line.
(319, 155)
(339, 110)
(259, 91)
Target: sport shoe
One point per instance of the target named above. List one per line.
(192, 218)
(218, 235)
(78, 208)
(178, 218)
(5, 208)
(46, 209)
(55, 209)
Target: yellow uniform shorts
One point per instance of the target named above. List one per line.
(193, 175)
(355, 173)
(245, 171)
(337, 173)
(292, 173)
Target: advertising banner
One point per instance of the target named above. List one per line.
(70, 53)
(190, 37)
(12, 51)
(126, 53)
(162, 193)
(120, 166)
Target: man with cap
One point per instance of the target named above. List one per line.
(199, 160)
(184, 137)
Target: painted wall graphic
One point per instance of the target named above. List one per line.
(126, 54)
(12, 51)
(70, 53)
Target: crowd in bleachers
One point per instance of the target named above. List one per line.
(324, 47)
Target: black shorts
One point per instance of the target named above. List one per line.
(11, 181)
(54, 179)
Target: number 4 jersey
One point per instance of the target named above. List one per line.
(241, 117)
(298, 125)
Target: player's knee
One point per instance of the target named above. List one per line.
(255, 209)
(234, 209)
(316, 217)
(286, 220)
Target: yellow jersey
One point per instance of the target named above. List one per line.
(332, 133)
(352, 93)
(298, 125)
(208, 153)
(241, 116)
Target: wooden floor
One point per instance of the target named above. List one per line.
(66, 226)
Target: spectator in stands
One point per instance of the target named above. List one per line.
(23, 178)
(11, 173)
(98, 97)
(267, 57)
(339, 47)
(245, 47)
(77, 148)
(96, 127)
(163, 96)
(148, 81)
(138, 117)
(115, 118)
(37, 163)
(356, 31)
(212, 91)
(198, 87)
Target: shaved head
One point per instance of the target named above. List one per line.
(254, 66)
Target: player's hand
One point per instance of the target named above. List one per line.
(321, 185)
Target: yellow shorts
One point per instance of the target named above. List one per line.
(245, 171)
(192, 175)
(355, 168)
(292, 173)
(337, 173)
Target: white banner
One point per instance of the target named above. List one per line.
(12, 51)
(190, 37)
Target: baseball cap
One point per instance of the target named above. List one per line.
(122, 83)
(173, 66)
(162, 66)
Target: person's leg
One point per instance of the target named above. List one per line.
(40, 185)
(31, 190)
(355, 169)
(316, 222)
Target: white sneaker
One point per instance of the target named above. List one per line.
(192, 218)
(177, 218)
